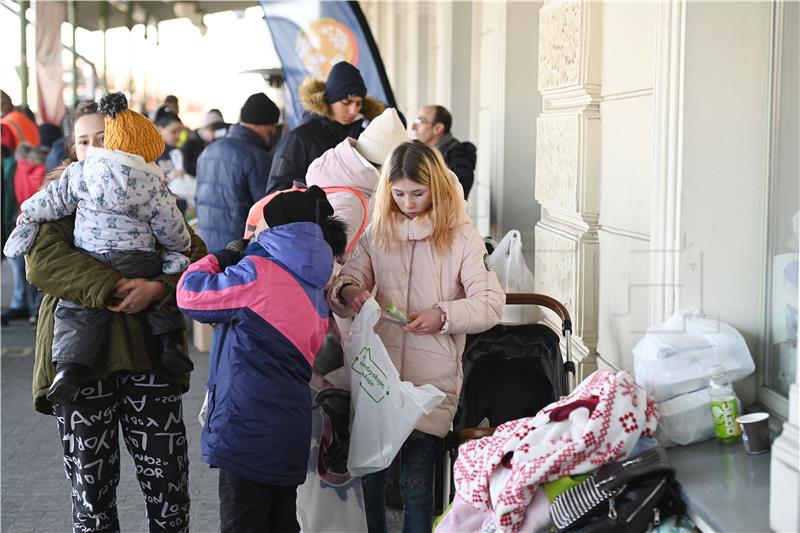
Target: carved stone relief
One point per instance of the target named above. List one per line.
(557, 152)
(559, 45)
(554, 266)
(566, 269)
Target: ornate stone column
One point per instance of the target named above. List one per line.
(568, 167)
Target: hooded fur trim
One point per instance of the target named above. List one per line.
(312, 96)
(33, 154)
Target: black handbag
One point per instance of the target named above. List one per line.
(614, 475)
(627, 496)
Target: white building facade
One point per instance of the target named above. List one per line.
(647, 152)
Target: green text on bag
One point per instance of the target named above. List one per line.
(373, 379)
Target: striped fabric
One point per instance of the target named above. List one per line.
(573, 504)
(545, 447)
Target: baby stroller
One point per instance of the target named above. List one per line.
(510, 372)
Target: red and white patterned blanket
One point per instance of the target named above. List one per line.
(600, 422)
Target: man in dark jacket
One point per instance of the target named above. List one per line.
(336, 109)
(432, 127)
(232, 173)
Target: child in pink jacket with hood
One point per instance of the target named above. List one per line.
(356, 163)
(421, 253)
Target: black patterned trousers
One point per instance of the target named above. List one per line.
(149, 412)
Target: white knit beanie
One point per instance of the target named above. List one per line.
(384, 133)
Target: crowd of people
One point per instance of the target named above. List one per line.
(345, 207)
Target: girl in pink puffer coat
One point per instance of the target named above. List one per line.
(422, 253)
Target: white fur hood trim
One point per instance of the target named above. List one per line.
(125, 158)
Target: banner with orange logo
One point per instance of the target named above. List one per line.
(311, 37)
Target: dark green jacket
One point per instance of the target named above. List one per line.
(59, 270)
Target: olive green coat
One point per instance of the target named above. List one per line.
(59, 270)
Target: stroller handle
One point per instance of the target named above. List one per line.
(531, 298)
(475, 433)
(455, 438)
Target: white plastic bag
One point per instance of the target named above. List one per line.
(385, 410)
(176, 156)
(674, 358)
(685, 419)
(184, 187)
(181, 184)
(327, 501)
(203, 414)
(513, 274)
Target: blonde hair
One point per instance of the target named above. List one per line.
(421, 164)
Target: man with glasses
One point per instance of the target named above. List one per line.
(432, 127)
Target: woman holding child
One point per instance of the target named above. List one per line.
(129, 387)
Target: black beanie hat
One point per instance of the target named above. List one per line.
(310, 205)
(259, 109)
(344, 80)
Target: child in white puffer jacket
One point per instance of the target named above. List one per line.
(122, 210)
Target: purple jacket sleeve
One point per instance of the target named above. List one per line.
(208, 294)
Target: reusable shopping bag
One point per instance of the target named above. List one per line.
(512, 272)
(674, 357)
(329, 500)
(384, 409)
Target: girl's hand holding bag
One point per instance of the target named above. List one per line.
(384, 409)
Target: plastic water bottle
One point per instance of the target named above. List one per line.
(724, 406)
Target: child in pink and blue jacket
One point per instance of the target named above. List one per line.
(271, 307)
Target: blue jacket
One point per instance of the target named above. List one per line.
(273, 317)
(231, 176)
(57, 154)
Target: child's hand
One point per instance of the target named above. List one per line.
(318, 382)
(355, 296)
(238, 245)
(226, 258)
(426, 322)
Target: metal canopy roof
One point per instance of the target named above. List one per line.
(88, 13)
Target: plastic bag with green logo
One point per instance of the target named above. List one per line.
(384, 409)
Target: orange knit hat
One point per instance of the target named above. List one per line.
(127, 130)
